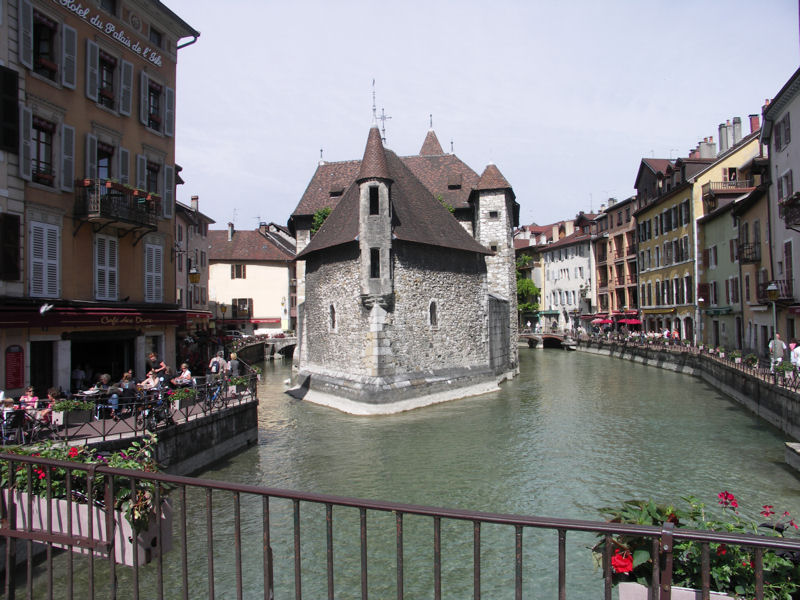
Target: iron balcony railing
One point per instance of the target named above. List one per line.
(230, 518)
(750, 253)
(738, 186)
(789, 210)
(98, 200)
(785, 291)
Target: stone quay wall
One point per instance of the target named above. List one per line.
(776, 404)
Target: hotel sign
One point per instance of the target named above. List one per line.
(110, 29)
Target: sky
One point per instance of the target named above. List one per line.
(565, 98)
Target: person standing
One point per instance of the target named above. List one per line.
(776, 350)
(233, 365)
(217, 364)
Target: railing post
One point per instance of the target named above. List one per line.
(665, 548)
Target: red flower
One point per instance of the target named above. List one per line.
(73, 452)
(722, 550)
(727, 499)
(767, 512)
(41, 473)
(622, 561)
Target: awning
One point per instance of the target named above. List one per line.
(602, 321)
(630, 321)
(548, 313)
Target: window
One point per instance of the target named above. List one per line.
(45, 260)
(202, 258)
(156, 37)
(156, 105)
(238, 271)
(9, 113)
(152, 177)
(242, 308)
(433, 317)
(689, 290)
(9, 247)
(374, 263)
(785, 186)
(110, 6)
(374, 200)
(712, 257)
(203, 296)
(783, 133)
(747, 287)
(105, 273)
(105, 90)
(493, 214)
(44, 46)
(332, 318)
(42, 151)
(105, 153)
(180, 233)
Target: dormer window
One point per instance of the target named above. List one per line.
(336, 191)
(454, 181)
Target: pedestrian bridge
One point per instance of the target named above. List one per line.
(272, 346)
(552, 339)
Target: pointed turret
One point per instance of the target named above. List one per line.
(373, 165)
(431, 145)
(492, 179)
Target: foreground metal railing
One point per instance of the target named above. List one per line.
(268, 528)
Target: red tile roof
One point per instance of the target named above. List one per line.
(492, 179)
(431, 145)
(373, 165)
(245, 246)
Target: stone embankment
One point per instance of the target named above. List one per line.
(773, 398)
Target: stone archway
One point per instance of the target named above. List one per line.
(688, 328)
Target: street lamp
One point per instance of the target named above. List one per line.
(772, 294)
(223, 308)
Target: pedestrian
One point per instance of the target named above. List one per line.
(795, 356)
(776, 350)
(217, 364)
(233, 365)
(159, 367)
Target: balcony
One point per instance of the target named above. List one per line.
(785, 291)
(789, 210)
(103, 203)
(750, 253)
(719, 188)
(602, 258)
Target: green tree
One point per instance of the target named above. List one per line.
(319, 219)
(527, 291)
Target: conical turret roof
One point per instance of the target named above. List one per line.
(431, 145)
(492, 179)
(373, 165)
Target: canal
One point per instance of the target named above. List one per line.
(573, 433)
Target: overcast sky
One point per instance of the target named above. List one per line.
(564, 97)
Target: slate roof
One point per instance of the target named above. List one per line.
(373, 165)
(246, 246)
(431, 145)
(492, 179)
(418, 215)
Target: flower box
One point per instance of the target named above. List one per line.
(737, 360)
(148, 544)
(71, 417)
(630, 590)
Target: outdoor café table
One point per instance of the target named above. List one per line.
(100, 400)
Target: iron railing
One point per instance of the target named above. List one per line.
(785, 290)
(750, 253)
(100, 200)
(185, 571)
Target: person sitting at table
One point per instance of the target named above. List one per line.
(184, 379)
(127, 388)
(28, 400)
(45, 415)
(104, 386)
(152, 382)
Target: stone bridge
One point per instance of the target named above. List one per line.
(552, 339)
(260, 347)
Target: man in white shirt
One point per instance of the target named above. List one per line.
(776, 350)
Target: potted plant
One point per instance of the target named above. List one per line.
(731, 571)
(185, 397)
(141, 530)
(721, 351)
(751, 360)
(736, 355)
(785, 369)
(72, 410)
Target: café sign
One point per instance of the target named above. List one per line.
(111, 30)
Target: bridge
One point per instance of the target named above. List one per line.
(551, 339)
(260, 347)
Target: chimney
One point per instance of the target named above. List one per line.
(755, 123)
(195, 202)
(262, 227)
(723, 137)
(569, 228)
(737, 130)
(230, 232)
(729, 129)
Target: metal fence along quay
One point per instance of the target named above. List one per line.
(90, 564)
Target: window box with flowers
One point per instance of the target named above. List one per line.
(140, 533)
(72, 412)
(730, 566)
(736, 355)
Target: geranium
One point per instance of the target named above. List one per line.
(73, 452)
(731, 566)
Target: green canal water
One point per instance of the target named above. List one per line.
(573, 433)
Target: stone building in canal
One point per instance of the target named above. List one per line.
(409, 286)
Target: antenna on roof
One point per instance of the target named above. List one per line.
(321, 160)
(374, 108)
(431, 118)
(451, 146)
(383, 119)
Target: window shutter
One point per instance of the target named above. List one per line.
(124, 166)
(780, 188)
(169, 190)
(727, 291)
(157, 270)
(144, 85)
(126, 88)
(44, 260)
(789, 184)
(91, 156)
(92, 69)
(37, 260)
(169, 112)
(26, 33)
(100, 267)
(141, 171)
(69, 56)
(777, 131)
(25, 126)
(730, 248)
(106, 267)
(153, 273)
(67, 158)
(787, 132)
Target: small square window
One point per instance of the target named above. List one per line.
(155, 37)
(493, 214)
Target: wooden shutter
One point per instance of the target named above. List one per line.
(91, 156)
(153, 273)
(787, 130)
(126, 88)
(92, 69)
(69, 56)
(67, 158)
(44, 244)
(141, 171)
(727, 291)
(25, 33)
(106, 249)
(731, 249)
(777, 132)
(169, 112)
(169, 190)
(25, 126)
(124, 165)
(144, 88)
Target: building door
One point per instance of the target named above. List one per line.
(739, 333)
(787, 262)
(42, 376)
(715, 333)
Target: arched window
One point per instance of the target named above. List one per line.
(433, 317)
(332, 322)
